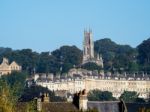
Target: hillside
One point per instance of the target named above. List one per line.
(116, 57)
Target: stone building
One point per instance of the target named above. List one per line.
(87, 80)
(6, 68)
(81, 104)
(88, 50)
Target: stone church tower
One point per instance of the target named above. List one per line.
(88, 46)
(88, 50)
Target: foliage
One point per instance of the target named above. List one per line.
(25, 57)
(16, 81)
(129, 96)
(35, 91)
(116, 56)
(140, 100)
(144, 51)
(65, 57)
(144, 55)
(12, 86)
(91, 66)
(133, 67)
(31, 106)
(68, 56)
(47, 63)
(7, 103)
(97, 95)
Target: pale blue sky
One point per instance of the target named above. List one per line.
(44, 25)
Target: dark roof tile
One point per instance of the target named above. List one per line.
(59, 107)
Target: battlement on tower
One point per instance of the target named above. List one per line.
(88, 50)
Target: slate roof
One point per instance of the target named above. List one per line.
(59, 107)
(104, 106)
(61, 93)
(115, 106)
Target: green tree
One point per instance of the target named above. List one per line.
(62, 59)
(16, 81)
(144, 55)
(144, 51)
(25, 57)
(47, 63)
(140, 100)
(91, 66)
(35, 91)
(129, 96)
(31, 106)
(97, 95)
(7, 102)
(115, 55)
(68, 56)
(11, 89)
(133, 67)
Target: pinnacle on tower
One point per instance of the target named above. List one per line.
(88, 49)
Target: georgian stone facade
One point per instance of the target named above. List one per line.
(76, 82)
(79, 79)
(6, 68)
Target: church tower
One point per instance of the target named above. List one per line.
(88, 46)
(88, 50)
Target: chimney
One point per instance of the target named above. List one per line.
(83, 100)
(5, 61)
(102, 73)
(58, 75)
(50, 76)
(46, 98)
(39, 105)
(98, 57)
(36, 76)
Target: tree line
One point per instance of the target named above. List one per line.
(127, 96)
(60, 60)
(13, 90)
(116, 58)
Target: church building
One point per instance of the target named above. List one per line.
(88, 50)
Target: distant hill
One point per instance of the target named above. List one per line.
(116, 57)
(119, 57)
(60, 60)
